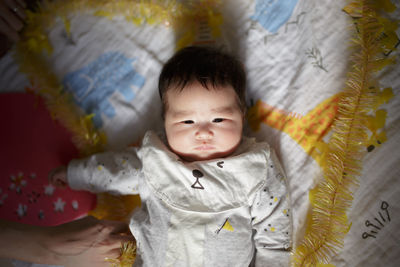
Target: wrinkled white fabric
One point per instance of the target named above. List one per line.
(220, 212)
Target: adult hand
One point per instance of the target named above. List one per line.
(87, 242)
(84, 242)
(12, 17)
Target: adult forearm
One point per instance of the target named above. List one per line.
(25, 242)
(83, 242)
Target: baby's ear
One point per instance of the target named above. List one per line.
(244, 116)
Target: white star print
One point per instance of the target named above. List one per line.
(59, 205)
(22, 210)
(49, 190)
(75, 205)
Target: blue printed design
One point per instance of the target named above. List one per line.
(272, 14)
(92, 85)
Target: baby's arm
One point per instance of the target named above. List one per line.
(112, 172)
(272, 219)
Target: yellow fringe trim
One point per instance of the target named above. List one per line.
(183, 18)
(332, 197)
(115, 208)
(128, 254)
(30, 56)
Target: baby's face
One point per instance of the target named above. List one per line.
(202, 123)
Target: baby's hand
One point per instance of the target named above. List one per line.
(58, 176)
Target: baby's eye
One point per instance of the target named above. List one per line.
(188, 122)
(218, 120)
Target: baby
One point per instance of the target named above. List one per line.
(210, 197)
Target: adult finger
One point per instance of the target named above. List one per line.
(114, 227)
(121, 239)
(119, 227)
(113, 240)
(99, 253)
(18, 7)
(112, 246)
(10, 18)
(8, 31)
(113, 253)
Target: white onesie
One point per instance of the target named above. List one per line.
(230, 211)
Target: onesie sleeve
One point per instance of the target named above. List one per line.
(271, 218)
(112, 172)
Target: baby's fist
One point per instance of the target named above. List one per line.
(58, 176)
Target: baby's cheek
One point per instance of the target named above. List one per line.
(231, 138)
(178, 141)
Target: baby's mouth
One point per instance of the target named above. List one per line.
(204, 147)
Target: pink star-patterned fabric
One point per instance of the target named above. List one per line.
(32, 144)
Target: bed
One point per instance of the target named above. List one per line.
(303, 90)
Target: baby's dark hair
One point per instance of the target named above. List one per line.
(206, 65)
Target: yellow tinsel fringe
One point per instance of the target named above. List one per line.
(128, 254)
(332, 197)
(182, 16)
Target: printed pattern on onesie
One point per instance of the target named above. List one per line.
(271, 215)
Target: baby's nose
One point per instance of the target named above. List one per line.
(204, 132)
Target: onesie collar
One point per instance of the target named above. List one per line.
(204, 186)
